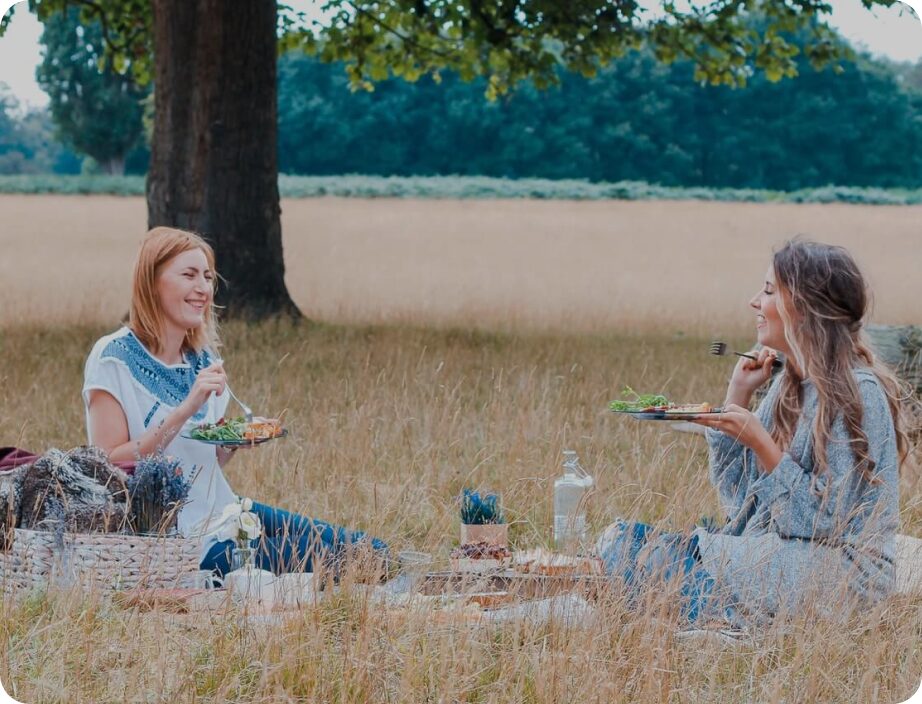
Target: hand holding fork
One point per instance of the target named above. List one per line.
(720, 349)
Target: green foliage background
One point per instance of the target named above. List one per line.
(637, 120)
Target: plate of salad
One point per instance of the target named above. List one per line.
(234, 432)
(657, 407)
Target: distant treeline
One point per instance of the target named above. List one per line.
(638, 120)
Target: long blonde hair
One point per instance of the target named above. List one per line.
(146, 319)
(824, 328)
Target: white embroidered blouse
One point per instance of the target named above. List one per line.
(149, 390)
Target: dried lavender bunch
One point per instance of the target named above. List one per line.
(157, 490)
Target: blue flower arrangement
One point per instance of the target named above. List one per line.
(479, 510)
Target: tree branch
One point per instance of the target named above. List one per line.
(99, 13)
(405, 39)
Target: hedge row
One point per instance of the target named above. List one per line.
(462, 187)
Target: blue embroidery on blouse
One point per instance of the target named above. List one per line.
(170, 385)
(151, 414)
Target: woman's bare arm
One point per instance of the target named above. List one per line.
(109, 426)
(109, 429)
(225, 455)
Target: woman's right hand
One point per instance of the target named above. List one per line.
(749, 375)
(210, 380)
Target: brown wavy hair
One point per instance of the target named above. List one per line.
(145, 318)
(824, 303)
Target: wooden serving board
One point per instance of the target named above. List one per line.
(523, 585)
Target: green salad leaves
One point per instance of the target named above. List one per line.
(231, 429)
(632, 401)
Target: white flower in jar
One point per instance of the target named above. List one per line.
(232, 510)
(229, 522)
(250, 525)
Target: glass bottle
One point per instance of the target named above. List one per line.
(570, 493)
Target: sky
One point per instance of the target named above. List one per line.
(893, 32)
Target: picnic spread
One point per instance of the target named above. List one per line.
(75, 518)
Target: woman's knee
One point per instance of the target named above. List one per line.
(620, 542)
(218, 558)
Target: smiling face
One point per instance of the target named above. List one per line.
(185, 288)
(769, 325)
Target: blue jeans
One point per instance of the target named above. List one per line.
(666, 557)
(291, 543)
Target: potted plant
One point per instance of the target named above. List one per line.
(482, 520)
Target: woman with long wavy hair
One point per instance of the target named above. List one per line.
(809, 481)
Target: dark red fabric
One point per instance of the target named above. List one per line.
(12, 457)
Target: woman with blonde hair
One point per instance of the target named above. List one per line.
(151, 381)
(809, 481)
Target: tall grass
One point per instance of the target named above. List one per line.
(465, 187)
(388, 424)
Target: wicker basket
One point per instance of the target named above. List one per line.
(29, 561)
(101, 560)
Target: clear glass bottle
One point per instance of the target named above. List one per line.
(570, 493)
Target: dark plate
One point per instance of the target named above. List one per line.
(665, 415)
(237, 443)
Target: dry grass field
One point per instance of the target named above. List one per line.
(581, 266)
(460, 344)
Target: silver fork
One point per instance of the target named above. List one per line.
(720, 349)
(247, 413)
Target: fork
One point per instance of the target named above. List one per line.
(720, 349)
(248, 414)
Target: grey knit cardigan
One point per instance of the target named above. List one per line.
(792, 536)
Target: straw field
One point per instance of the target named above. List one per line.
(579, 266)
(459, 344)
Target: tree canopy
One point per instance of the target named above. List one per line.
(507, 41)
(97, 110)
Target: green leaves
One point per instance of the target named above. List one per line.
(6, 19)
(508, 41)
(231, 429)
(637, 402)
(126, 30)
(513, 40)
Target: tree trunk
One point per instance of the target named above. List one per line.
(115, 166)
(213, 164)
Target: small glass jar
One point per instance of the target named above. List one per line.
(243, 557)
